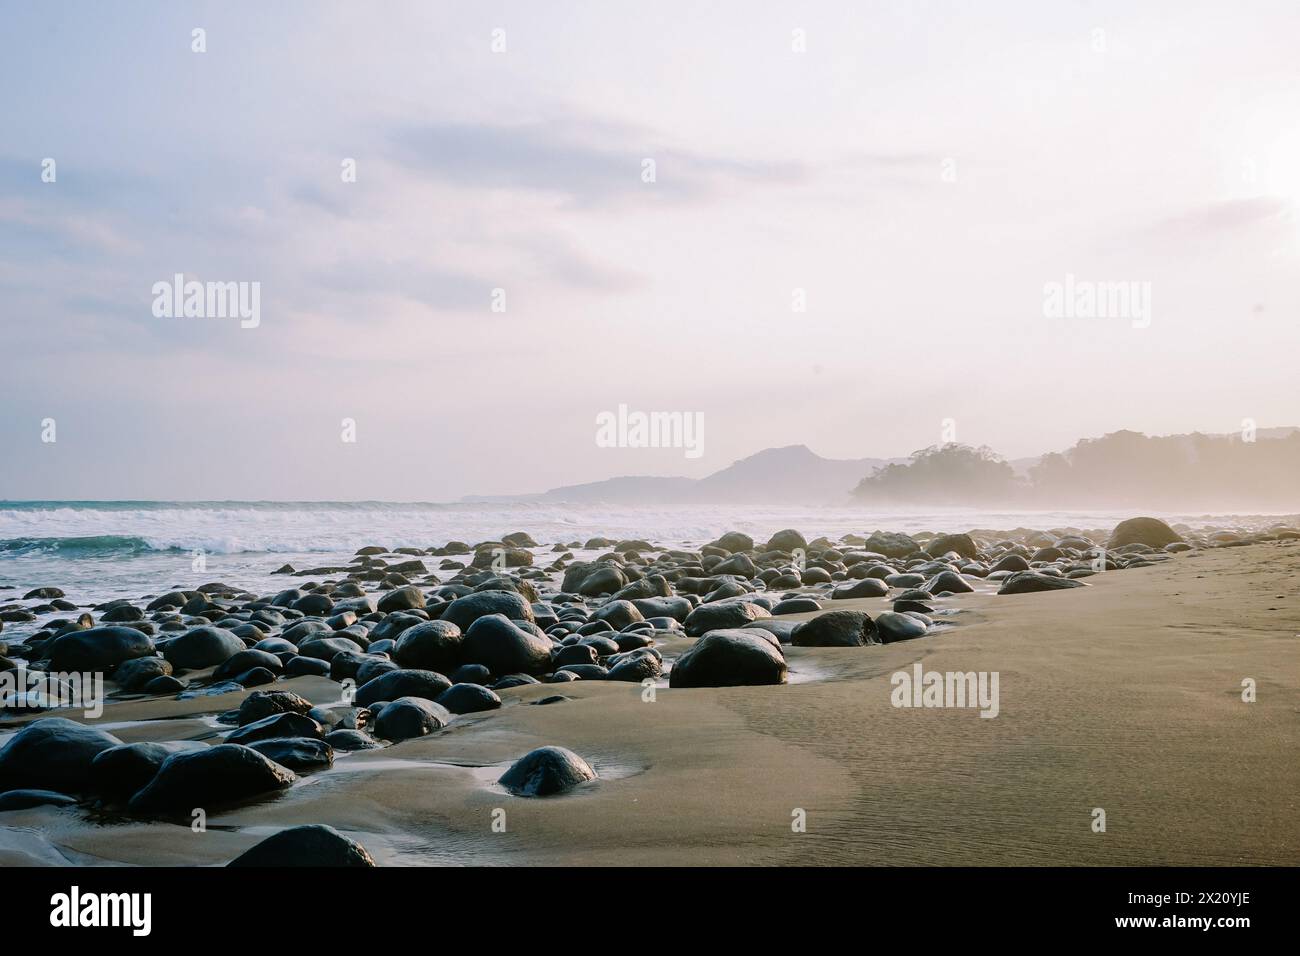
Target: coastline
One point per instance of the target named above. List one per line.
(1124, 695)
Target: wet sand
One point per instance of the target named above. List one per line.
(1125, 695)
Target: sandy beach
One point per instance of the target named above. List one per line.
(1125, 695)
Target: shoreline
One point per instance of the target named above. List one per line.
(1123, 695)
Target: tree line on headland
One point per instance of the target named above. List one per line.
(1124, 468)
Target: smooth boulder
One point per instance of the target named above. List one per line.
(545, 772)
(730, 658)
(226, 773)
(313, 845)
(52, 753)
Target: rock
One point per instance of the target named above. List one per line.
(891, 544)
(892, 627)
(327, 648)
(297, 753)
(43, 594)
(585, 671)
(723, 615)
(134, 674)
(545, 772)
(409, 717)
(52, 753)
(503, 647)
(470, 674)
(574, 654)
(787, 540)
(949, 581)
(618, 614)
(433, 645)
(1010, 562)
(246, 660)
(226, 773)
(122, 614)
(162, 685)
(1152, 532)
(783, 631)
(202, 647)
(729, 658)
(119, 772)
(515, 680)
(797, 605)
(316, 604)
(267, 703)
(675, 607)
(469, 699)
(429, 685)
(26, 799)
(314, 845)
(635, 666)
(960, 543)
(99, 649)
(303, 666)
(350, 739)
(464, 611)
(865, 588)
(1028, 582)
(403, 599)
(287, 724)
(734, 541)
(837, 629)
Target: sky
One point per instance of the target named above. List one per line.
(916, 173)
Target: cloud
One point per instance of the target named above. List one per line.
(585, 162)
(1227, 215)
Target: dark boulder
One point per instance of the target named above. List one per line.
(52, 753)
(865, 588)
(119, 772)
(433, 645)
(314, 845)
(297, 753)
(1029, 582)
(429, 685)
(464, 611)
(226, 773)
(730, 658)
(892, 626)
(723, 615)
(98, 649)
(268, 703)
(202, 647)
(287, 724)
(837, 629)
(469, 699)
(545, 772)
(503, 647)
(410, 717)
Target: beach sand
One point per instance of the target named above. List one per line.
(1125, 696)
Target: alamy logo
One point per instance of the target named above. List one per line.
(23, 689)
(73, 909)
(208, 300)
(1082, 299)
(625, 429)
(947, 689)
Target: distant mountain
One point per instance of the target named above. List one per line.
(791, 475)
